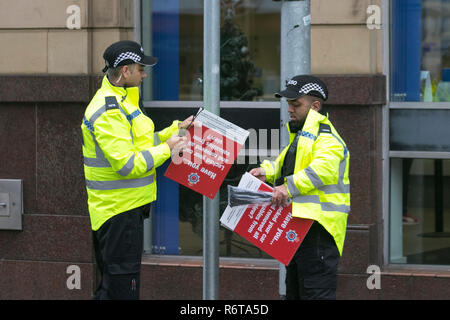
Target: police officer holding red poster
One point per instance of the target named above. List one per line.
(313, 172)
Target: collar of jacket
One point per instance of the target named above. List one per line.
(312, 119)
(124, 93)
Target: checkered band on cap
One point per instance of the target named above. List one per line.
(307, 88)
(125, 56)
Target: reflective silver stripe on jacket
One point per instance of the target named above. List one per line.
(148, 159)
(313, 177)
(325, 206)
(128, 167)
(340, 187)
(293, 190)
(100, 160)
(120, 184)
(156, 140)
(96, 162)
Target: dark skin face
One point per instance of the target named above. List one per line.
(298, 111)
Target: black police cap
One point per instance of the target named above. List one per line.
(303, 85)
(126, 52)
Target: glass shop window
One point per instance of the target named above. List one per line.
(420, 211)
(420, 50)
(250, 49)
(419, 186)
(419, 147)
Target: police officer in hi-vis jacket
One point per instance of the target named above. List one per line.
(313, 172)
(121, 152)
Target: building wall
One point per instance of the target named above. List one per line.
(341, 43)
(40, 143)
(36, 38)
(48, 75)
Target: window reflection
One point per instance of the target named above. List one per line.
(420, 211)
(420, 50)
(250, 50)
(419, 130)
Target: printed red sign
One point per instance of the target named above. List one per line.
(212, 149)
(270, 228)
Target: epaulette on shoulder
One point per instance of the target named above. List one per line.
(111, 103)
(324, 128)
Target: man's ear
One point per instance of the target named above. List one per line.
(125, 71)
(316, 105)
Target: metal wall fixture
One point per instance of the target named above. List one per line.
(11, 204)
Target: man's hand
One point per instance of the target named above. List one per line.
(280, 196)
(186, 123)
(259, 173)
(179, 142)
(184, 126)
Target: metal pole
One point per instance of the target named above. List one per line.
(295, 60)
(211, 100)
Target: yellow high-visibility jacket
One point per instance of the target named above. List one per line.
(320, 185)
(121, 152)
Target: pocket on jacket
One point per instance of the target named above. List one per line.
(142, 125)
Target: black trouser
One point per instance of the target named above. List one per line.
(312, 273)
(118, 246)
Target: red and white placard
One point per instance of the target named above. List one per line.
(212, 148)
(268, 227)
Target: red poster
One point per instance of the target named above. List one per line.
(270, 228)
(212, 148)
